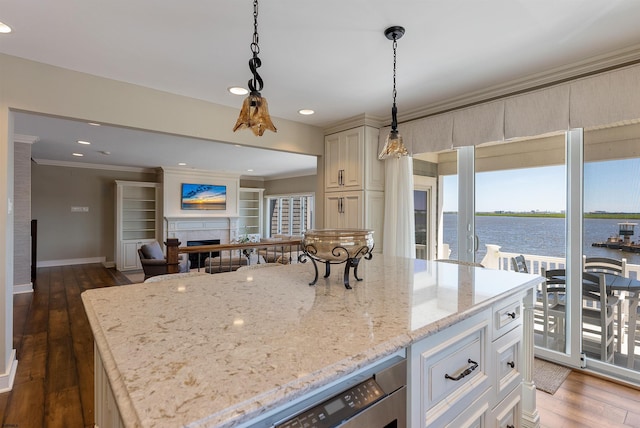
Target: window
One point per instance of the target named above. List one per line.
(289, 214)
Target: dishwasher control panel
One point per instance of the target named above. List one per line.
(337, 408)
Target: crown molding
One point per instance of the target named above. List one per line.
(599, 64)
(49, 162)
(194, 171)
(27, 139)
(353, 122)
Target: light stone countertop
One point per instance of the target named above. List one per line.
(220, 350)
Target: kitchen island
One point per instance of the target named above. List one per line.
(226, 349)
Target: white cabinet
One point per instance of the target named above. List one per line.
(356, 209)
(351, 161)
(345, 160)
(250, 211)
(354, 181)
(344, 210)
(137, 220)
(469, 374)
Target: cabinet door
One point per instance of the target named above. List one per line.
(332, 162)
(130, 259)
(344, 210)
(332, 215)
(352, 155)
(353, 210)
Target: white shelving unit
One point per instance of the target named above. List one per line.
(137, 220)
(250, 211)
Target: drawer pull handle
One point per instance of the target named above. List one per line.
(511, 364)
(464, 373)
(511, 315)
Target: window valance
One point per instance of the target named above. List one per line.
(604, 99)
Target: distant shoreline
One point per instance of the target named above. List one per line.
(620, 216)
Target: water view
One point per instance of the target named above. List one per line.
(538, 235)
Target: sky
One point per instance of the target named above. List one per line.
(612, 186)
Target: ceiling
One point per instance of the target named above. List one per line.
(330, 56)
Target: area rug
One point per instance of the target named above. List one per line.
(548, 376)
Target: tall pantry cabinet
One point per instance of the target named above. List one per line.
(137, 220)
(354, 182)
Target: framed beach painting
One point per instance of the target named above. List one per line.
(203, 197)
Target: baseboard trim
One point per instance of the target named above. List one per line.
(7, 378)
(66, 262)
(109, 265)
(23, 288)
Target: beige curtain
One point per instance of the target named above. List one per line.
(605, 99)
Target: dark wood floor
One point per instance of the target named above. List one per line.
(54, 345)
(54, 382)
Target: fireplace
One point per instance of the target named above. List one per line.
(197, 259)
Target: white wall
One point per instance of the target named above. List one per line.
(172, 185)
(40, 88)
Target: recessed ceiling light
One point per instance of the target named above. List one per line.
(249, 170)
(77, 154)
(238, 145)
(182, 163)
(84, 142)
(237, 90)
(306, 111)
(4, 28)
(93, 124)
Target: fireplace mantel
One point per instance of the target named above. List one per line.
(194, 228)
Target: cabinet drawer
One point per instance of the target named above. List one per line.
(508, 413)
(473, 416)
(453, 370)
(506, 317)
(506, 357)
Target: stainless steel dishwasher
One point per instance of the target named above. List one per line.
(380, 401)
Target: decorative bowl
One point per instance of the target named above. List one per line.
(338, 245)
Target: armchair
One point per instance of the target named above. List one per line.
(154, 262)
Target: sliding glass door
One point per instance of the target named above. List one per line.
(611, 244)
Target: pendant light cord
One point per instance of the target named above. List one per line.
(394, 109)
(256, 84)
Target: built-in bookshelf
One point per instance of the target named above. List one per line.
(250, 211)
(137, 220)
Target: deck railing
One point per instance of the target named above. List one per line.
(497, 259)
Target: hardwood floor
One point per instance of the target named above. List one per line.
(54, 345)
(54, 382)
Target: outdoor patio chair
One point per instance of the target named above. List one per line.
(553, 301)
(615, 267)
(519, 264)
(598, 316)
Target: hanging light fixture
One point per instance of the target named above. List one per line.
(255, 112)
(393, 146)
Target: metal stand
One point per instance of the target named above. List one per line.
(341, 255)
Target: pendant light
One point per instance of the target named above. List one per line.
(393, 146)
(255, 112)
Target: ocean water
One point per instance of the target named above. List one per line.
(536, 235)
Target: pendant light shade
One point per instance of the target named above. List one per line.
(393, 146)
(255, 110)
